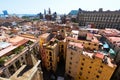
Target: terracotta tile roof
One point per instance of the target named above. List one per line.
(15, 39)
(6, 50)
(22, 42)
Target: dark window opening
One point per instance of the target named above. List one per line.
(18, 65)
(95, 44)
(97, 76)
(21, 58)
(86, 77)
(90, 67)
(83, 59)
(50, 59)
(83, 64)
(99, 71)
(62, 46)
(81, 68)
(50, 53)
(62, 51)
(69, 67)
(91, 61)
(23, 63)
(88, 71)
(11, 69)
(69, 71)
(71, 53)
(50, 64)
(70, 62)
(80, 73)
(101, 66)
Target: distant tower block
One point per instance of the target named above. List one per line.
(44, 12)
(49, 11)
(5, 13)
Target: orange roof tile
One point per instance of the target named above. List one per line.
(15, 39)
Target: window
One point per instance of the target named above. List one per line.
(62, 51)
(90, 67)
(62, 30)
(21, 58)
(62, 46)
(23, 63)
(70, 63)
(95, 44)
(50, 53)
(80, 73)
(71, 58)
(91, 61)
(50, 64)
(88, 43)
(81, 68)
(18, 65)
(82, 64)
(69, 71)
(86, 77)
(71, 53)
(50, 59)
(83, 59)
(69, 67)
(88, 71)
(101, 66)
(97, 76)
(99, 71)
(11, 69)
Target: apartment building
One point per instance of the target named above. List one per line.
(60, 36)
(85, 65)
(44, 38)
(72, 58)
(51, 50)
(99, 19)
(18, 57)
(89, 40)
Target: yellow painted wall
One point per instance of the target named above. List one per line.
(62, 50)
(93, 69)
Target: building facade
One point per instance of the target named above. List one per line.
(51, 50)
(44, 38)
(99, 19)
(84, 65)
(22, 54)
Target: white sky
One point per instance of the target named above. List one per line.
(60, 6)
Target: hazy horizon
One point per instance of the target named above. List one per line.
(59, 6)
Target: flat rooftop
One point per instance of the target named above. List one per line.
(114, 39)
(15, 39)
(13, 46)
(100, 56)
(79, 45)
(45, 35)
